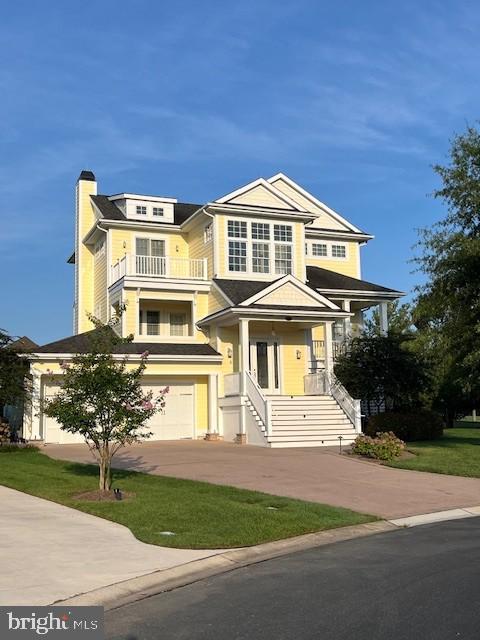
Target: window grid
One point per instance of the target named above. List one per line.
(237, 256)
(158, 211)
(177, 324)
(339, 251)
(260, 257)
(141, 210)
(282, 233)
(237, 229)
(319, 249)
(260, 231)
(283, 258)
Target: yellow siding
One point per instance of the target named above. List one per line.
(348, 267)
(260, 196)
(198, 249)
(130, 316)
(123, 241)
(84, 257)
(216, 301)
(100, 287)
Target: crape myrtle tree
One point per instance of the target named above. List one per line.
(447, 309)
(101, 398)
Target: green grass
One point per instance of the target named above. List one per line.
(203, 516)
(456, 454)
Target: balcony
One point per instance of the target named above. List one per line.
(158, 267)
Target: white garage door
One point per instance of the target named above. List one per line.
(51, 428)
(176, 420)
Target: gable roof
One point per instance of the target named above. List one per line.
(81, 343)
(259, 185)
(239, 290)
(325, 280)
(109, 210)
(292, 289)
(23, 344)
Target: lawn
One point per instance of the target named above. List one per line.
(456, 454)
(202, 515)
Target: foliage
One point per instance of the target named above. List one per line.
(101, 398)
(421, 424)
(382, 369)
(13, 369)
(383, 446)
(202, 516)
(399, 319)
(447, 311)
(5, 432)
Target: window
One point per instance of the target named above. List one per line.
(282, 233)
(153, 323)
(149, 247)
(260, 231)
(319, 249)
(208, 233)
(177, 324)
(237, 229)
(141, 210)
(339, 251)
(260, 257)
(157, 211)
(149, 259)
(283, 258)
(237, 256)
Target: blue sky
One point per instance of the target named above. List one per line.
(354, 100)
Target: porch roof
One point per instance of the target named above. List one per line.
(330, 281)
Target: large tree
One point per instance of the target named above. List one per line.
(102, 399)
(447, 310)
(399, 319)
(13, 370)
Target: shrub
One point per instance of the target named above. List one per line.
(384, 446)
(419, 425)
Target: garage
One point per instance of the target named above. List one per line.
(174, 422)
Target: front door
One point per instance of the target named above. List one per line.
(264, 364)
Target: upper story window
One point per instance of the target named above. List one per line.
(141, 210)
(319, 249)
(208, 233)
(158, 211)
(150, 247)
(237, 229)
(257, 250)
(339, 251)
(177, 324)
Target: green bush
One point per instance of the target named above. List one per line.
(415, 425)
(384, 446)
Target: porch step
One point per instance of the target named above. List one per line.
(293, 444)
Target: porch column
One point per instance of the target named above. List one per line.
(212, 432)
(32, 427)
(243, 345)
(347, 323)
(383, 317)
(328, 341)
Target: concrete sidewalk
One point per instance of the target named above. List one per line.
(316, 474)
(50, 552)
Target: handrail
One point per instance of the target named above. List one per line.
(349, 405)
(261, 404)
(159, 266)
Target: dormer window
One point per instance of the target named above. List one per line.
(158, 211)
(339, 251)
(141, 210)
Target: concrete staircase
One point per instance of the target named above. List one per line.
(305, 421)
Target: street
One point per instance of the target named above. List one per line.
(414, 583)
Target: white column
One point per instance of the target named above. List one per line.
(213, 403)
(328, 340)
(347, 323)
(383, 317)
(33, 406)
(243, 345)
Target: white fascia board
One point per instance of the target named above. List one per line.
(296, 282)
(170, 284)
(246, 210)
(224, 295)
(312, 232)
(49, 357)
(193, 217)
(312, 198)
(269, 187)
(363, 294)
(261, 314)
(139, 196)
(106, 222)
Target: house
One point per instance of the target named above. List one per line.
(242, 302)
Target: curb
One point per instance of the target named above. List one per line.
(135, 589)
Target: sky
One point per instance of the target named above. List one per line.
(353, 100)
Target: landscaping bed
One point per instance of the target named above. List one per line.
(200, 515)
(457, 453)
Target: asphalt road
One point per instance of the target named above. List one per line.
(413, 584)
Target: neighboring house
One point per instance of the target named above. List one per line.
(242, 302)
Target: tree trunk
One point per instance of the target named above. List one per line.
(105, 479)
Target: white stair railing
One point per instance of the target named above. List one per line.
(349, 405)
(262, 405)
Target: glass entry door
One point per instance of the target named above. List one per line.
(264, 364)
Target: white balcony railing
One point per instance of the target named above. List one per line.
(159, 267)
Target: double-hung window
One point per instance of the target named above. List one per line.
(260, 257)
(319, 249)
(283, 237)
(339, 251)
(153, 323)
(237, 248)
(177, 324)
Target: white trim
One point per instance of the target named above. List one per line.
(131, 356)
(309, 196)
(361, 238)
(139, 196)
(363, 293)
(261, 182)
(295, 314)
(160, 284)
(289, 278)
(138, 224)
(260, 212)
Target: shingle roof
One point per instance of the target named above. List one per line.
(81, 344)
(109, 210)
(239, 290)
(23, 344)
(326, 280)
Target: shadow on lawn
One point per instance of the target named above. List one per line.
(128, 466)
(448, 441)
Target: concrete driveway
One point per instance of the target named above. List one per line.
(316, 474)
(50, 552)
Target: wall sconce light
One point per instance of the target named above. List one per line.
(124, 244)
(176, 248)
(229, 352)
(299, 354)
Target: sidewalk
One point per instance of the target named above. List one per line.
(50, 552)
